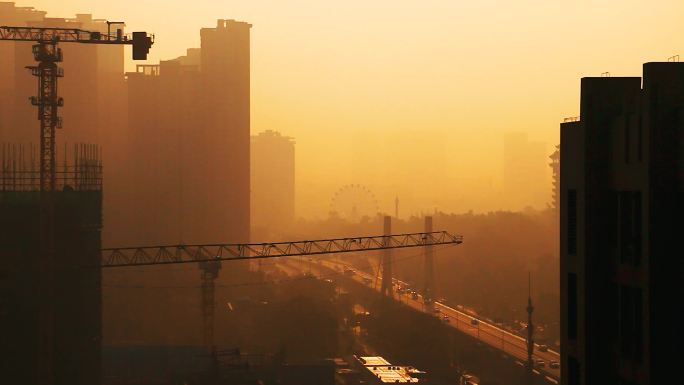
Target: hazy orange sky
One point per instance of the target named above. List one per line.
(365, 80)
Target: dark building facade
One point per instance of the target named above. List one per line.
(622, 184)
(50, 304)
(273, 181)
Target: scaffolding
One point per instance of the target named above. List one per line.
(79, 168)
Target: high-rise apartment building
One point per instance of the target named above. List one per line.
(273, 181)
(225, 72)
(622, 203)
(189, 142)
(93, 89)
(524, 173)
(164, 150)
(15, 78)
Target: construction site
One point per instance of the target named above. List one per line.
(128, 261)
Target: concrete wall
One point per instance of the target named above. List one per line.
(74, 294)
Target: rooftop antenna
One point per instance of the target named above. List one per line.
(673, 59)
(605, 74)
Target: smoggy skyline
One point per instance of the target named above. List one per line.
(341, 77)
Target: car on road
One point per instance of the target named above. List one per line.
(414, 295)
(474, 321)
(468, 379)
(445, 318)
(554, 365)
(543, 348)
(540, 363)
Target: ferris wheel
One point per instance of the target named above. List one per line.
(354, 202)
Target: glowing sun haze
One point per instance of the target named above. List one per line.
(411, 97)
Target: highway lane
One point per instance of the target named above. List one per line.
(483, 331)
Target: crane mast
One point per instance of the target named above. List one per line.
(47, 54)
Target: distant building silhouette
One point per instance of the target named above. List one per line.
(555, 179)
(273, 180)
(164, 123)
(622, 268)
(16, 83)
(93, 89)
(189, 140)
(524, 172)
(225, 72)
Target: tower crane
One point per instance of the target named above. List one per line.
(210, 257)
(47, 53)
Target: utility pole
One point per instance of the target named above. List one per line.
(428, 291)
(530, 329)
(386, 288)
(396, 207)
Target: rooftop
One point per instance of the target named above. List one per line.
(373, 361)
(388, 373)
(392, 374)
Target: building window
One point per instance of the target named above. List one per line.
(572, 222)
(572, 306)
(630, 223)
(573, 371)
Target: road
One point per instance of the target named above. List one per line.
(485, 332)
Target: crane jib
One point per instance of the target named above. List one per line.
(175, 254)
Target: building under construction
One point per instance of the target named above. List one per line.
(50, 307)
(176, 135)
